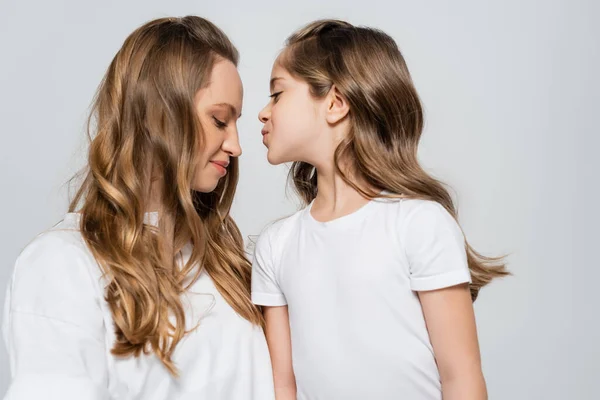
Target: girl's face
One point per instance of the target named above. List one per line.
(293, 119)
(219, 107)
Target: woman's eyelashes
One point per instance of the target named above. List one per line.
(219, 124)
(275, 96)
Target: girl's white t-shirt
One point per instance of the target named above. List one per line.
(357, 327)
(59, 332)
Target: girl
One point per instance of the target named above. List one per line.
(143, 290)
(366, 290)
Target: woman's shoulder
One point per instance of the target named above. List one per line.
(62, 240)
(55, 264)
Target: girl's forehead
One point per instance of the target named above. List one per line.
(281, 61)
(277, 68)
(280, 75)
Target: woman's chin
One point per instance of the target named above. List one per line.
(206, 187)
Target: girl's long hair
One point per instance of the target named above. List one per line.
(386, 119)
(144, 125)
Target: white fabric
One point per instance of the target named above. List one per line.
(357, 326)
(59, 332)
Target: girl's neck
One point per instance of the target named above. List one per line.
(335, 197)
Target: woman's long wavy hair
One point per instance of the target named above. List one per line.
(386, 119)
(145, 127)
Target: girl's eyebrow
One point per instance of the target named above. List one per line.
(272, 83)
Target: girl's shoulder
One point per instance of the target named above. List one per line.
(422, 223)
(276, 233)
(415, 217)
(407, 208)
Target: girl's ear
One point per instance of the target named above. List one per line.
(337, 106)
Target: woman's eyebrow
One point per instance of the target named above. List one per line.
(232, 110)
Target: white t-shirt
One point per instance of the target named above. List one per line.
(357, 327)
(59, 332)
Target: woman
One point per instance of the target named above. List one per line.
(143, 290)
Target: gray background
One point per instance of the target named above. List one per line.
(511, 94)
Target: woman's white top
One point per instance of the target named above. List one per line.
(59, 332)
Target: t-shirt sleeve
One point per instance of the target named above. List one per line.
(53, 325)
(435, 248)
(265, 288)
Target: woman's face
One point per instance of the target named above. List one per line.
(219, 106)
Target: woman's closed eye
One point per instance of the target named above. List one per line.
(220, 124)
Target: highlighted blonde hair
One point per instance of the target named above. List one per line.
(145, 124)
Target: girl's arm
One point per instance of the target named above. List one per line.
(451, 324)
(280, 347)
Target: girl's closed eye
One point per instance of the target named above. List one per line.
(220, 124)
(275, 96)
